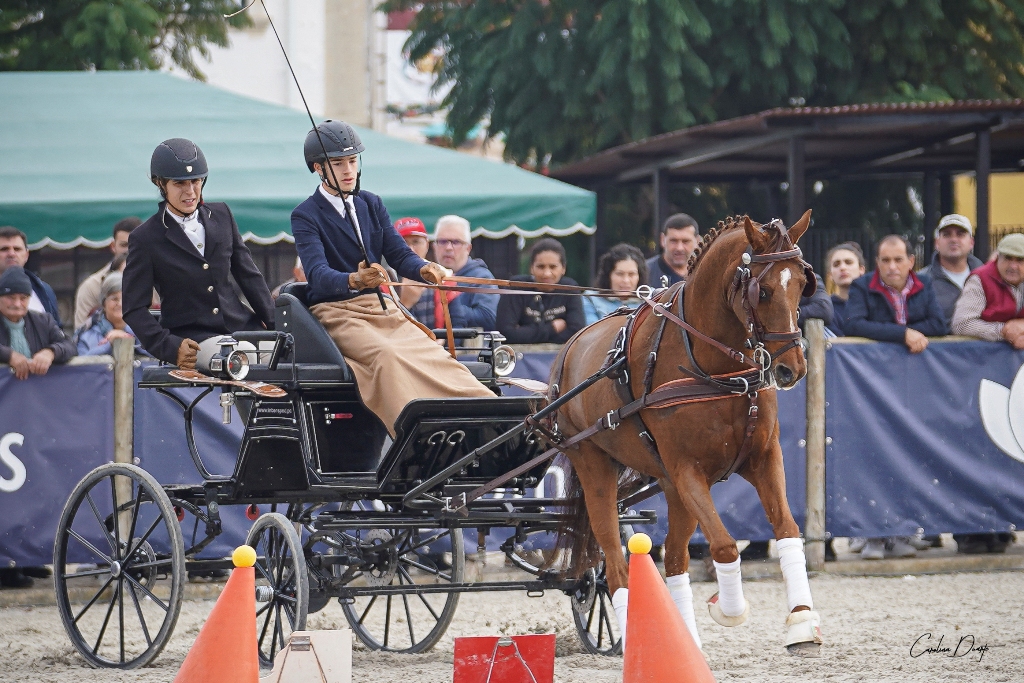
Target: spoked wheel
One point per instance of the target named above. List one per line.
(119, 567)
(282, 588)
(594, 615)
(408, 560)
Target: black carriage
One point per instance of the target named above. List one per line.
(351, 514)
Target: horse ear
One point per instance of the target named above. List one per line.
(800, 227)
(755, 236)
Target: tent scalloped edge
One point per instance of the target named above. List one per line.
(545, 231)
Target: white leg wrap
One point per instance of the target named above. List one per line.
(794, 571)
(682, 595)
(619, 603)
(730, 589)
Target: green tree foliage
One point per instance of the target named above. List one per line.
(567, 78)
(59, 35)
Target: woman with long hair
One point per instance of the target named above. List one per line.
(622, 268)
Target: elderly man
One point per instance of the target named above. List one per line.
(14, 252)
(452, 245)
(30, 341)
(991, 304)
(952, 261)
(893, 303)
(679, 238)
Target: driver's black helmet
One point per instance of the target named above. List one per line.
(339, 139)
(178, 159)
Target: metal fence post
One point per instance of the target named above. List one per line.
(814, 526)
(124, 419)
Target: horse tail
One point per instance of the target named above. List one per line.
(576, 546)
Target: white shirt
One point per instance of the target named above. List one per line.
(346, 208)
(35, 303)
(194, 230)
(959, 278)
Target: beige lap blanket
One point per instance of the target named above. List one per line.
(393, 360)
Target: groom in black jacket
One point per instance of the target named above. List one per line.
(188, 250)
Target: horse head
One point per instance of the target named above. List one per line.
(770, 279)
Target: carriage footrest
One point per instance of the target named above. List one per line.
(638, 517)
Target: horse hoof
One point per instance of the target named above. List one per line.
(803, 638)
(721, 618)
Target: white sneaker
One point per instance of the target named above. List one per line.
(874, 549)
(857, 544)
(919, 542)
(900, 548)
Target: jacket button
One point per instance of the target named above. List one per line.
(216, 311)
(206, 266)
(210, 288)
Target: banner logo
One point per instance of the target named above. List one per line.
(12, 461)
(1002, 414)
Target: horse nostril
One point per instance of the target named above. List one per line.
(784, 374)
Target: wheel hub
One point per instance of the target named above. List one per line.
(115, 569)
(383, 569)
(585, 593)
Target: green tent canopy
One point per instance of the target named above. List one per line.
(75, 151)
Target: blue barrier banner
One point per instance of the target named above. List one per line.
(930, 440)
(54, 429)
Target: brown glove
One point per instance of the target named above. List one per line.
(367, 277)
(434, 273)
(187, 354)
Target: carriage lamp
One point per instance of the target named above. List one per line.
(504, 360)
(221, 357)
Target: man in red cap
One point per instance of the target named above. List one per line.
(417, 299)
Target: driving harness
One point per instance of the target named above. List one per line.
(700, 385)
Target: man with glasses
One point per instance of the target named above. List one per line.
(452, 246)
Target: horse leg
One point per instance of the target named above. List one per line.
(681, 525)
(599, 477)
(728, 607)
(769, 478)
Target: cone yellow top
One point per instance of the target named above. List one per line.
(639, 544)
(244, 556)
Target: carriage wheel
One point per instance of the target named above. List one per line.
(120, 606)
(282, 587)
(407, 622)
(594, 615)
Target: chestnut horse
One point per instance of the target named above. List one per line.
(716, 414)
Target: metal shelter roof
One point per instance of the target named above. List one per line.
(854, 140)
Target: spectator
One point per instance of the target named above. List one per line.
(417, 299)
(452, 246)
(892, 303)
(621, 269)
(87, 297)
(106, 324)
(298, 275)
(541, 318)
(990, 307)
(845, 264)
(952, 263)
(678, 240)
(817, 305)
(14, 252)
(30, 341)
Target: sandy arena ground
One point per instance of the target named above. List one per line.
(869, 626)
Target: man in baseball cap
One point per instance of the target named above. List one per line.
(952, 261)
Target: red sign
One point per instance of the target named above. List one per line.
(506, 659)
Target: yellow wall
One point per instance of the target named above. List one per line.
(1006, 201)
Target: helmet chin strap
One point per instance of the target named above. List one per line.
(332, 183)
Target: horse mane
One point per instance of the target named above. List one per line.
(729, 223)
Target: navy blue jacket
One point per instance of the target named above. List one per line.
(869, 314)
(327, 245)
(46, 295)
(656, 267)
(475, 310)
(838, 316)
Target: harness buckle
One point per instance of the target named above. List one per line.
(655, 307)
(644, 292)
(746, 385)
(609, 421)
(753, 410)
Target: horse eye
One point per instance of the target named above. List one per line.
(765, 295)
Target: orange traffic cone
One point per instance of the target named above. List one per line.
(225, 649)
(659, 648)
